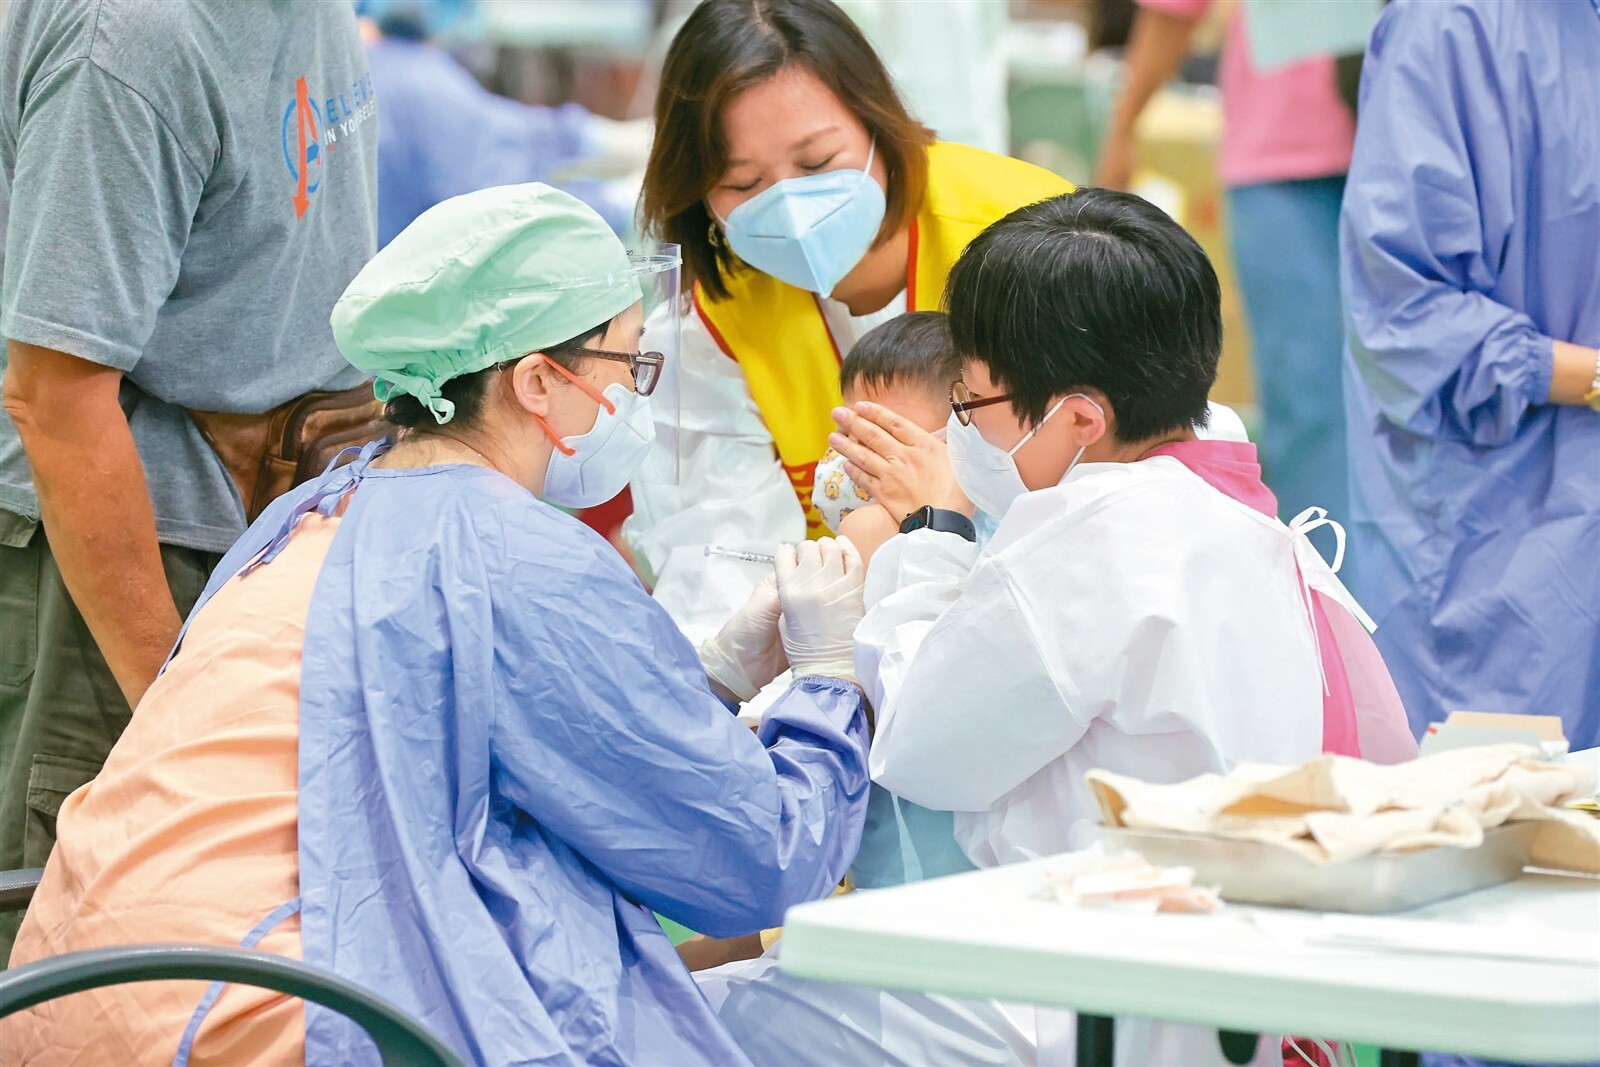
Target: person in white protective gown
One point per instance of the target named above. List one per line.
(1140, 608)
(811, 207)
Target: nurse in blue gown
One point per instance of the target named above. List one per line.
(509, 755)
(1471, 251)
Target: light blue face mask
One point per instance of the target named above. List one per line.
(809, 231)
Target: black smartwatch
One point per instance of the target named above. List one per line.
(941, 519)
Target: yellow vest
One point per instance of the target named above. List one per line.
(776, 332)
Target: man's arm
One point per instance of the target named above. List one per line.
(95, 506)
(101, 178)
(1156, 49)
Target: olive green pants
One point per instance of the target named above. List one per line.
(60, 707)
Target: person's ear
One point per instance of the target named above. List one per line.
(532, 383)
(1089, 420)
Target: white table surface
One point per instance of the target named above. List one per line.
(991, 934)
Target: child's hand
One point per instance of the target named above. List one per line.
(901, 465)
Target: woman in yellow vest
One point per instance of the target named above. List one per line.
(810, 206)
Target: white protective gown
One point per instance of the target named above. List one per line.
(731, 489)
(1171, 578)
(1132, 618)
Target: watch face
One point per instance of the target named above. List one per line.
(917, 520)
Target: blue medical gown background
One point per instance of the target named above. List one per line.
(442, 134)
(509, 755)
(1469, 238)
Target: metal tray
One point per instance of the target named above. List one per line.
(1251, 872)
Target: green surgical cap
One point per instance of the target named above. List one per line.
(478, 280)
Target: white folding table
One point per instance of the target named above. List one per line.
(992, 934)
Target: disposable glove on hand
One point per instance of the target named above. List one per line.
(747, 653)
(819, 585)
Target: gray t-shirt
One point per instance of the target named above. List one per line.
(185, 190)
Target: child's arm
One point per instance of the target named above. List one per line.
(701, 953)
(868, 528)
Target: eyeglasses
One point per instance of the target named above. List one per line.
(646, 366)
(962, 402)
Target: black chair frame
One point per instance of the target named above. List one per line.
(401, 1040)
(16, 888)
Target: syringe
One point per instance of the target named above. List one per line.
(737, 553)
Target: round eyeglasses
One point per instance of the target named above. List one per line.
(962, 402)
(646, 366)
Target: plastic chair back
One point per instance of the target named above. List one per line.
(16, 888)
(401, 1040)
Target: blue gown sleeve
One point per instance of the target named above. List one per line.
(607, 735)
(1428, 217)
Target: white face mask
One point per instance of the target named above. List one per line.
(606, 458)
(988, 474)
(835, 494)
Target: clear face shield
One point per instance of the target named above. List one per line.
(658, 272)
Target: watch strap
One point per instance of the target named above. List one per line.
(940, 519)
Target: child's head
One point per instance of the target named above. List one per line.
(1095, 305)
(907, 365)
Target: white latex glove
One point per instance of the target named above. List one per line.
(819, 585)
(746, 653)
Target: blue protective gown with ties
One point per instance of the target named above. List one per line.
(509, 756)
(1471, 242)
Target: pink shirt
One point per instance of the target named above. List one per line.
(1278, 125)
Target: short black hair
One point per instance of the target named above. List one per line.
(467, 391)
(1095, 289)
(915, 348)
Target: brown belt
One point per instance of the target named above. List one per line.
(271, 453)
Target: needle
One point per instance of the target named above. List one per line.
(738, 554)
